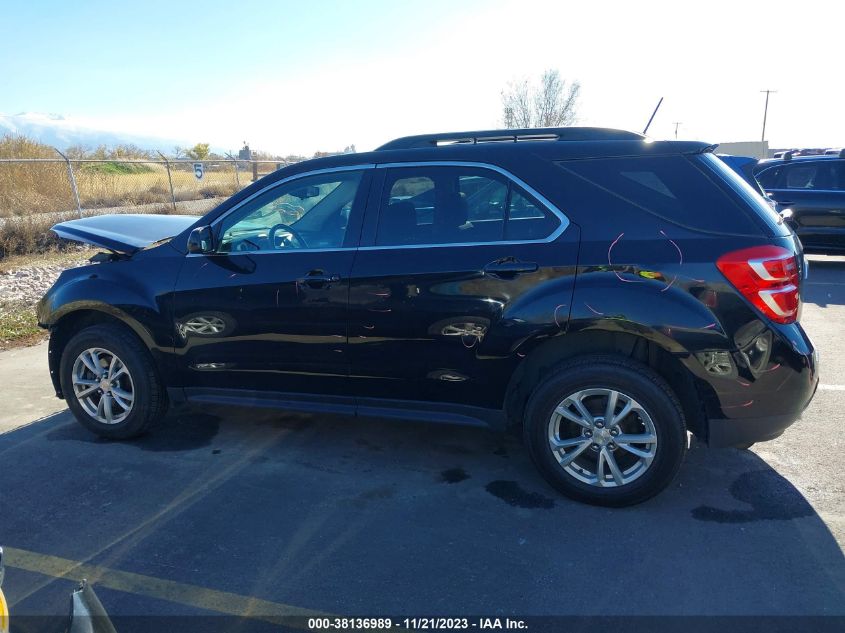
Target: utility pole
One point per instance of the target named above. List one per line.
(766, 112)
(676, 124)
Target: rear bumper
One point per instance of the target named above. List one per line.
(741, 431)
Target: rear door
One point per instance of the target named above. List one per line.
(815, 192)
(458, 265)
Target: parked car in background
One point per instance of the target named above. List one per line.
(744, 166)
(598, 293)
(810, 191)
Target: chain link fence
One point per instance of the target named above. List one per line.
(92, 186)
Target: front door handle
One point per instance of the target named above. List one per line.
(318, 279)
(509, 267)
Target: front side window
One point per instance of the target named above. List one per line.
(306, 213)
(457, 205)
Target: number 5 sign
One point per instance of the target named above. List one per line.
(198, 171)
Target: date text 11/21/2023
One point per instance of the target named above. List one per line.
(423, 623)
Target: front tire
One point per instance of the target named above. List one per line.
(605, 430)
(110, 384)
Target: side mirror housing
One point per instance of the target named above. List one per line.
(201, 240)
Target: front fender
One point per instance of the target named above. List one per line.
(136, 292)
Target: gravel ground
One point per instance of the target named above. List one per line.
(23, 281)
(26, 285)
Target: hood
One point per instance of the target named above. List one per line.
(125, 233)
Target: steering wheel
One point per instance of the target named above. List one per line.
(289, 229)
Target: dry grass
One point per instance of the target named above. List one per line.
(31, 234)
(37, 187)
(98, 189)
(31, 186)
(70, 255)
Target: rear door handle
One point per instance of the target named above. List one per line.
(510, 267)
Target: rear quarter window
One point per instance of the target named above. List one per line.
(672, 188)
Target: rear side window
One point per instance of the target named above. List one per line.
(672, 188)
(457, 205)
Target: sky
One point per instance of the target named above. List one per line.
(308, 75)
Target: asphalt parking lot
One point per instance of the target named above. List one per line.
(231, 511)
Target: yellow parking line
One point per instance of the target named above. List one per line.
(152, 587)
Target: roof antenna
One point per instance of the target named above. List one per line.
(652, 115)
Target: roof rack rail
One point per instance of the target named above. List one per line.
(512, 136)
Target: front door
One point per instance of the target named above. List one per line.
(267, 311)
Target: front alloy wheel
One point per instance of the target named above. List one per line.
(110, 382)
(103, 385)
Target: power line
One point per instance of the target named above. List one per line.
(766, 112)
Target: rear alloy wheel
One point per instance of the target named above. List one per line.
(110, 383)
(602, 437)
(605, 430)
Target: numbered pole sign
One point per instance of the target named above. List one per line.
(198, 171)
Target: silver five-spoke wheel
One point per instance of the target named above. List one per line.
(602, 437)
(102, 385)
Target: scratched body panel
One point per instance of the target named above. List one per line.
(656, 278)
(439, 329)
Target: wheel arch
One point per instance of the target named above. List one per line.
(72, 321)
(669, 365)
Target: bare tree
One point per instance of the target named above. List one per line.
(551, 103)
(516, 104)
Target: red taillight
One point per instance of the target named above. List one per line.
(768, 277)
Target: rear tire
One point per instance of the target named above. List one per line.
(110, 383)
(597, 458)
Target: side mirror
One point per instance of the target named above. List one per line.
(201, 240)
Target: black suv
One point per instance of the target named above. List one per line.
(601, 293)
(810, 190)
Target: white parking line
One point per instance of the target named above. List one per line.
(832, 387)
